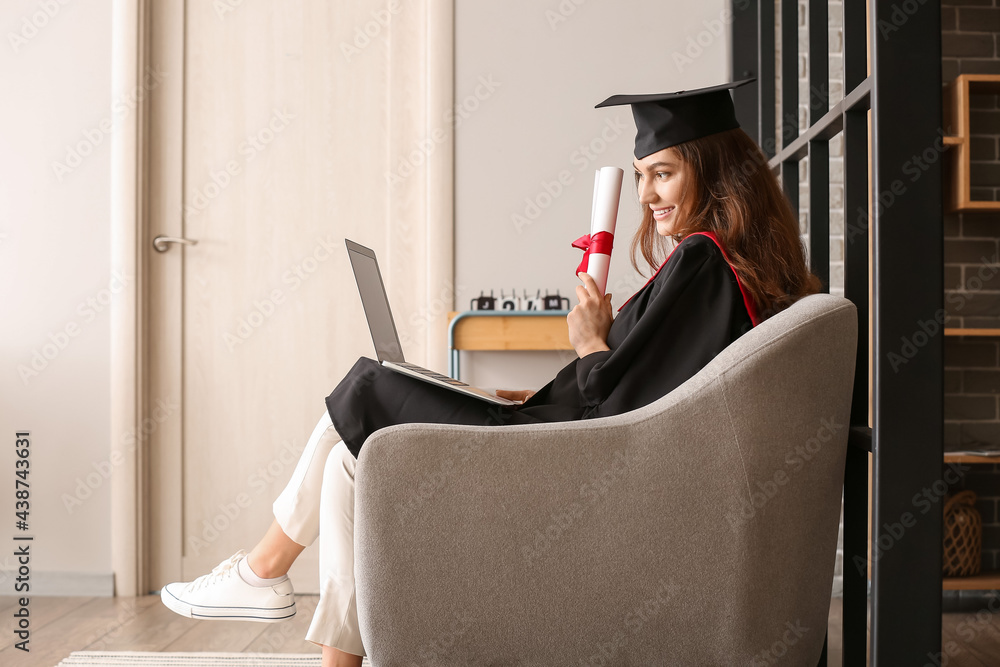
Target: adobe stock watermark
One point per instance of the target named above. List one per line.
(425, 316)
(265, 307)
(714, 30)
(33, 24)
(900, 14)
(581, 158)
(223, 7)
(924, 500)
(248, 149)
(365, 34)
(631, 282)
(773, 654)
(967, 631)
(433, 481)
(818, 94)
(436, 650)
(564, 519)
(562, 12)
(795, 459)
(649, 609)
(163, 409)
(926, 330)
(422, 149)
(213, 527)
(93, 136)
(8, 569)
(105, 637)
(58, 341)
(914, 167)
(451, 466)
(277, 635)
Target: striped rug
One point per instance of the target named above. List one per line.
(144, 659)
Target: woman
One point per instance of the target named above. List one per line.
(738, 259)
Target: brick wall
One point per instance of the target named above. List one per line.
(971, 32)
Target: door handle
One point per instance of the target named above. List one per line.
(162, 243)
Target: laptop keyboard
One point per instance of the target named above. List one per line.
(430, 373)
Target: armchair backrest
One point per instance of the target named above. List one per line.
(786, 387)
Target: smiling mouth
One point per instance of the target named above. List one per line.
(661, 213)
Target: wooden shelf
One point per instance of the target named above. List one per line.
(505, 330)
(494, 330)
(956, 112)
(969, 458)
(972, 332)
(984, 581)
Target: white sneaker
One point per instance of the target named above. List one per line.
(223, 594)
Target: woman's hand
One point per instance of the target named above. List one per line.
(521, 395)
(590, 321)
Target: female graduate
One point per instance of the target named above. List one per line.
(737, 259)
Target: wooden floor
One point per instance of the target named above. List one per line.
(61, 625)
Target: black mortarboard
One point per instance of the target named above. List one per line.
(667, 119)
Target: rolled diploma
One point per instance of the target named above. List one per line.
(593, 204)
(607, 192)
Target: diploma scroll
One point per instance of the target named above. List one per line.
(604, 215)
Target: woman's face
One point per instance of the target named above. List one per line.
(663, 182)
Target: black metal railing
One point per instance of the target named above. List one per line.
(892, 235)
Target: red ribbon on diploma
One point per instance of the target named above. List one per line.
(599, 243)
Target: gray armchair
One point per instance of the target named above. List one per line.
(698, 530)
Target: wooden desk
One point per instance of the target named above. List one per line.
(505, 330)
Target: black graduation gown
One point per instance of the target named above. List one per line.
(688, 312)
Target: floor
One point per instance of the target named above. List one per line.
(60, 625)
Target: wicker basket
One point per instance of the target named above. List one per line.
(963, 535)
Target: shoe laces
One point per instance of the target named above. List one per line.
(221, 571)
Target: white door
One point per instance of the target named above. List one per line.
(273, 131)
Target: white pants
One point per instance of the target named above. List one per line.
(319, 502)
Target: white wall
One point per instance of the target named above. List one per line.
(54, 259)
(546, 64)
(549, 63)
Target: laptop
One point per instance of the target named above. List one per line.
(383, 329)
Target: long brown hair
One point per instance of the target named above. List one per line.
(737, 197)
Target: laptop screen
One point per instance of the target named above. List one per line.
(375, 302)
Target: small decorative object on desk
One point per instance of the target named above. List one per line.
(555, 302)
(513, 303)
(510, 302)
(482, 302)
(532, 302)
(963, 536)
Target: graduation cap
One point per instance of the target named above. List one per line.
(667, 119)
